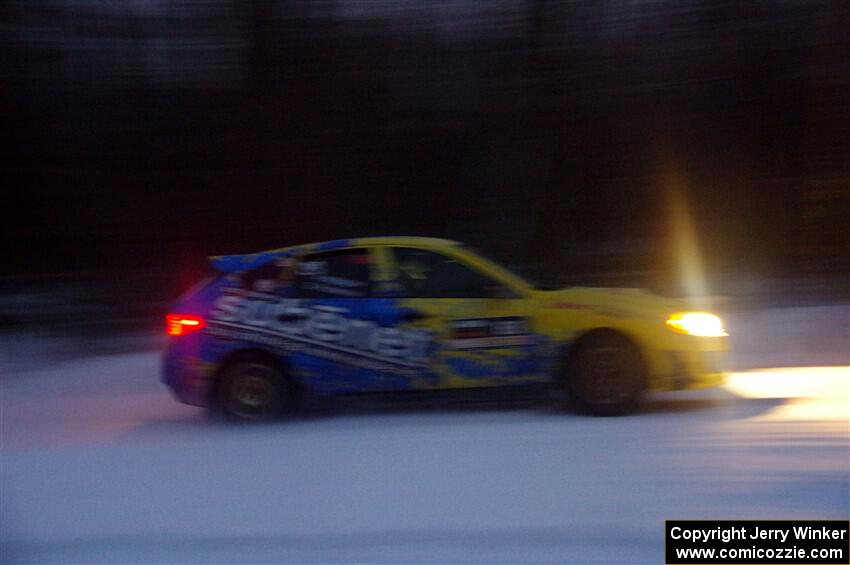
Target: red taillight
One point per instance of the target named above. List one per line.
(182, 324)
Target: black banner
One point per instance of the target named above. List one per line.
(693, 542)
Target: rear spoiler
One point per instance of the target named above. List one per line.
(237, 263)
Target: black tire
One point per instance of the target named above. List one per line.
(253, 389)
(605, 376)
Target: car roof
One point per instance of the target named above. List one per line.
(231, 263)
(367, 241)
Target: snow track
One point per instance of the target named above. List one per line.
(101, 465)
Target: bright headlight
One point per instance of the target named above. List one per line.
(701, 324)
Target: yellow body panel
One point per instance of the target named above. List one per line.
(673, 360)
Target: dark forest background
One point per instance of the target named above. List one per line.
(141, 136)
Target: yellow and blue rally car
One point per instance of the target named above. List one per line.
(410, 313)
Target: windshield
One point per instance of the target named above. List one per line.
(526, 272)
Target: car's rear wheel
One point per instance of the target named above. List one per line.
(605, 376)
(252, 390)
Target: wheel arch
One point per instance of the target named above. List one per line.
(569, 358)
(251, 354)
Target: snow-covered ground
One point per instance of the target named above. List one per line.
(100, 464)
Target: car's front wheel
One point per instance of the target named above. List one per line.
(605, 376)
(252, 390)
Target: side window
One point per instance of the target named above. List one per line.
(267, 278)
(426, 274)
(334, 274)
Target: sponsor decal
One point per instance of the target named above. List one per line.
(475, 333)
(320, 330)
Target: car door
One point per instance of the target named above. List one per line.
(483, 329)
(348, 337)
